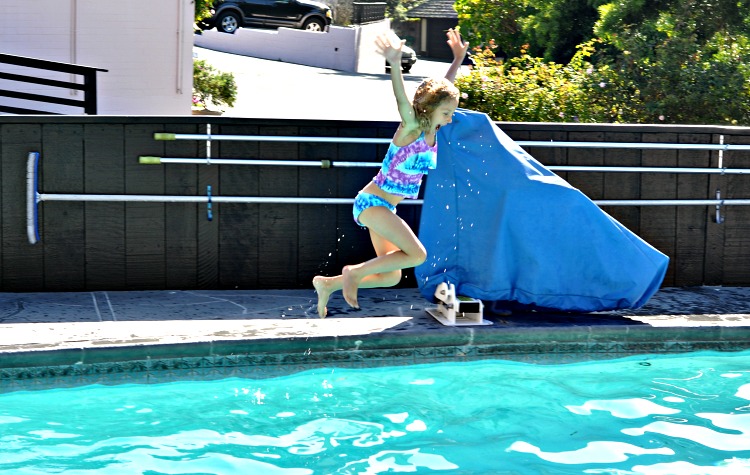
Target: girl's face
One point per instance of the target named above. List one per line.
(443, 113)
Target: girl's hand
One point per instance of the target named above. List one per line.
(389, 45)
(458, 47)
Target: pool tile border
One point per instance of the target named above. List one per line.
(258, 359)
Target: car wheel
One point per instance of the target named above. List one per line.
(406, 69)
(228, 22)
(314, 25)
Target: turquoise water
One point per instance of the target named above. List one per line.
(644, 415)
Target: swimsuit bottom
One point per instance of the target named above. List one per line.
(368, 200)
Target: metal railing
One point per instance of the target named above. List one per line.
(208, 137)
(34, 197)
(88, 103)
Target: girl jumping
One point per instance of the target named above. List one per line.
(412, 152)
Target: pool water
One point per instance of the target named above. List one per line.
(637, 415)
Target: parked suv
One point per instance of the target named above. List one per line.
(228, 15)
(408, 58)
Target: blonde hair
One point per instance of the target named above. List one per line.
(430, 94)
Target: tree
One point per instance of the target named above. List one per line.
(550, 29)
(203, 9)
(396, 9)
(684, 62)
(557, 27)
(498, 21)
(659, 61)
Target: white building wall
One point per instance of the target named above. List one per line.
(146, 46)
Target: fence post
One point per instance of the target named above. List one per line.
(90, 103)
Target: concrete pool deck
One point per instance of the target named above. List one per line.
(63, 334)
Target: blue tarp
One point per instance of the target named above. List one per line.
(504, 229)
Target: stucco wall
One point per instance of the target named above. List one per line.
(146, 46)
(339, 48)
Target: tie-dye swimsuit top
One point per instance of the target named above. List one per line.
(403, 167)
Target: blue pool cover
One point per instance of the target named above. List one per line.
(504, 229)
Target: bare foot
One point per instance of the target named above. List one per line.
(350, 286)
(324, 293)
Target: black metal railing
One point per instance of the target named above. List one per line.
(88, 103)
(368, 12)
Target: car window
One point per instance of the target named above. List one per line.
(264, 3)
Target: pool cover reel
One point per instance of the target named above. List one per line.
(504, 229)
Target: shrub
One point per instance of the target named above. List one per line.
(211, 87)
(523, 89)
(685, 62)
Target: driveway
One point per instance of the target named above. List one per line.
(277, 90)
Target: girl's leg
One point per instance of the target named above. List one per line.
(397, 247)
(384, 247)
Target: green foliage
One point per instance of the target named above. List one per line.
(211, 87)
(556, 27)
(482, 21)
(396, 9)
(523, 89)
(202, 9)
(645, 61)
(550, 29)
(682, 62)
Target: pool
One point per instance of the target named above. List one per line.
(644, 414)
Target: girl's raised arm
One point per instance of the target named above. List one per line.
(459, 49)
(389, 45)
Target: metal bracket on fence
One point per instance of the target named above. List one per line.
(209, 212)
(208, 144)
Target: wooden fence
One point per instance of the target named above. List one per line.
(137, 246)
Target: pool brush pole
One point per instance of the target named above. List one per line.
(32, 211)
(149, 160)
(270, 138)
(523, 143)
